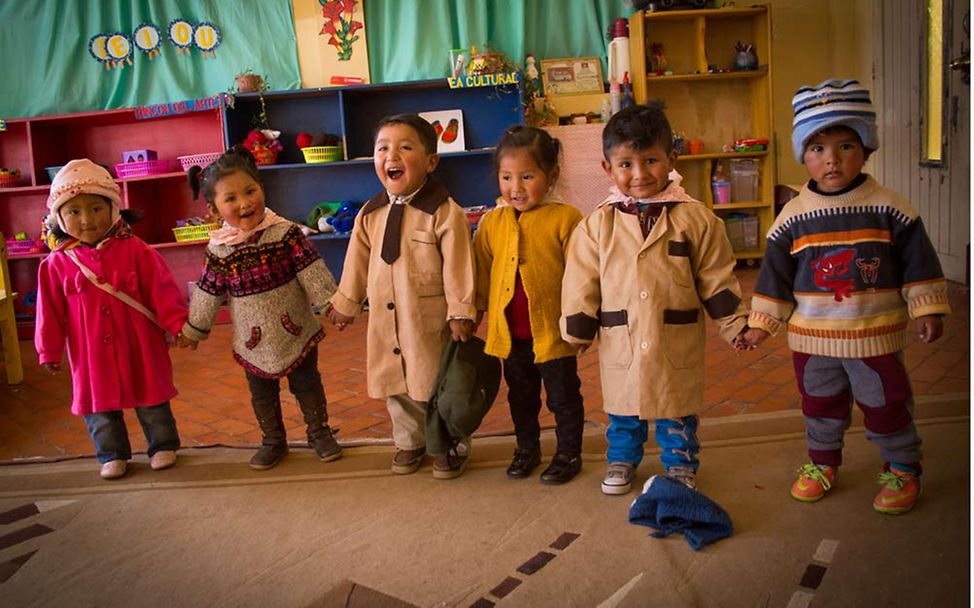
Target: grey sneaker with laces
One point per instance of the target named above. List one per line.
(618, 478)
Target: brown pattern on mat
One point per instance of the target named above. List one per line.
(537, 562)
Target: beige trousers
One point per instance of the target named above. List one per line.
(408, 421)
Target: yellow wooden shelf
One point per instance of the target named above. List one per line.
(719, 13)
(715, 107)
(739, 74)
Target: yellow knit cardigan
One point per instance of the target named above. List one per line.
(536, 244)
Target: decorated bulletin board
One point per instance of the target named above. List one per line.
(332, 48)
(78, 56)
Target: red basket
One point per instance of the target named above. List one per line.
(9, 180)
(140, 169)
(198, 160)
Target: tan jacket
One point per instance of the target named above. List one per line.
(411, 300)
(643, 298)
(536, 245)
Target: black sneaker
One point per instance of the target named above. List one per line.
(562, 469)
(326, 447)
(524, 463)
(267, 456)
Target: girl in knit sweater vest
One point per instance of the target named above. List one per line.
(271, 276)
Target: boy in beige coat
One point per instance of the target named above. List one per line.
(640, 268)
(410, 255)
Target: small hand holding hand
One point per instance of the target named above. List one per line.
(184, 342)
(52, 368)
(929, 327)
(749, 338)
(338, 319)
(461, 329)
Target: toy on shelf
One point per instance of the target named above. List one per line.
(9, 177)
(745, 59)
(657, 59)
(344, 218)
(194, 229)
(138, 156)
(52, 171)
(755, 144)
(264, 145)
(475, 213)
(318, 218)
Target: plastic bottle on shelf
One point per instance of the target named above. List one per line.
(615, 96)
(627, 99)
(618, 51)
(720, 186)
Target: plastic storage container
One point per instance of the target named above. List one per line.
(742, 231)
(744, 181)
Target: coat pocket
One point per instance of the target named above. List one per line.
(683, 338)
(615, 343)
(289, 326)
(424, 248)
(678, 257)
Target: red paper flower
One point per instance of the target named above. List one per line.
(340, 31)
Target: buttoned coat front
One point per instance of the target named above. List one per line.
(412, 299)
(534, 244)
(643, 298)
(118, 357)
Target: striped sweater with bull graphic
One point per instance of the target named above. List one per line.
(847, 271)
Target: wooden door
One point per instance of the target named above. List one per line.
(939, 190)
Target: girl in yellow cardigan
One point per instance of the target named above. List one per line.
(520, 249)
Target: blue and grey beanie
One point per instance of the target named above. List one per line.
(829, 104)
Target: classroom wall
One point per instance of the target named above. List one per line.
(812, 40)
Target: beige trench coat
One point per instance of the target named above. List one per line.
(411, 300)
(643, 298)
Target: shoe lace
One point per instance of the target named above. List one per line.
(892, 481)
(815, 473)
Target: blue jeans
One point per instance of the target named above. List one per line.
(111, 438)
(677, 437)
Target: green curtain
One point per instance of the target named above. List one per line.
(44, 46)
(411, 39)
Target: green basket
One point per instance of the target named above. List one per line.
(194, 233)
(322, 154)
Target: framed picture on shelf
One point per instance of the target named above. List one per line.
(572, 76)
(448, 125)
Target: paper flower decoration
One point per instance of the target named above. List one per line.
(339, 26)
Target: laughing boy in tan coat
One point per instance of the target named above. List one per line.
(410, 254)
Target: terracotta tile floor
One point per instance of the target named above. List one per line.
(213, 406)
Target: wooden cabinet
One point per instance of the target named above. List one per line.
(31, 145)
(293, 188)
(706, 99)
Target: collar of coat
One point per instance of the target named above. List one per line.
(430, 196)
(671, 194)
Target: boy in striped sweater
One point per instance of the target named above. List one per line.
(848, 265)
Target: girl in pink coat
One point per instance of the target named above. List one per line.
(108, 299)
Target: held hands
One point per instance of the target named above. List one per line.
(184, 342)
(929, 328)
(749, 338)
(461, 329)
(338, 319)
(52, 368)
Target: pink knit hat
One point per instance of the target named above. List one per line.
(81, 176)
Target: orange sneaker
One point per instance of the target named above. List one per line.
(900, 492)
(814, 480)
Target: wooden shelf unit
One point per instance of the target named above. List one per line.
(293, 188)
(31, 144)
(717, 107)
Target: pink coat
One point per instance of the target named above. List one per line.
(118, 358)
